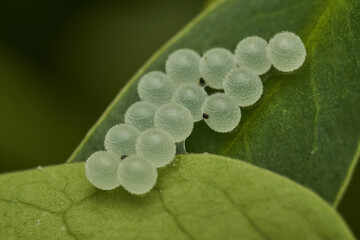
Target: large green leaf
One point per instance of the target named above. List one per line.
(306, 125)
(199, 197)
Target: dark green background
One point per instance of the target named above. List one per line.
(62, 62)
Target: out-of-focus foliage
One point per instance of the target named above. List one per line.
(62, 62)
(37, 125)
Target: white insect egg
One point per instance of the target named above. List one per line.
(221, 112)
(157, 146)
(137, 174)
(121, 139)
(182, 66)
(156, 87)
(174, 119)
(192, 97)
(251, 52)
(244, 86)
(141, 115)
(286, 51)
(101, 170)
(215, 65)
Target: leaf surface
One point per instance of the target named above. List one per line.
(198, 197)
(306, 125)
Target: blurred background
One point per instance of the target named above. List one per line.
(63, 61)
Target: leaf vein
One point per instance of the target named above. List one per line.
(243, 212)
(172, 215)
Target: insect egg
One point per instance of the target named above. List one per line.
(121, 139)
(244, 86)
(157, 146)
(174, 119)
(251, 53)
(182, 66)
(221, 112)
(192, 97)
(101, 170)
(156, 87)
(286, 51)
(137, 174)
(214, 66)
(141, 115)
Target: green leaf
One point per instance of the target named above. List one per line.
(199, 197)
(306, 125)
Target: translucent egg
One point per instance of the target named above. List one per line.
(157, 146)
(286, 51)
(156, 87)
(192, 97)
(100, 170)
(137, 174)
(251, 53)
(221, 112)
(121, 139)
(174, 119)
(244, 86)
(215, 65)
(182, 66)
(141, 115)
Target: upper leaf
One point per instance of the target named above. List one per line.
(306, 125)
(200, 197)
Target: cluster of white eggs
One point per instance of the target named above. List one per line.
(172, 102)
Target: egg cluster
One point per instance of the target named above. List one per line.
(172, 102)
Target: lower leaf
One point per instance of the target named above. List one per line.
(198, 197)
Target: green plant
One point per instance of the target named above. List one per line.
(305, 127)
